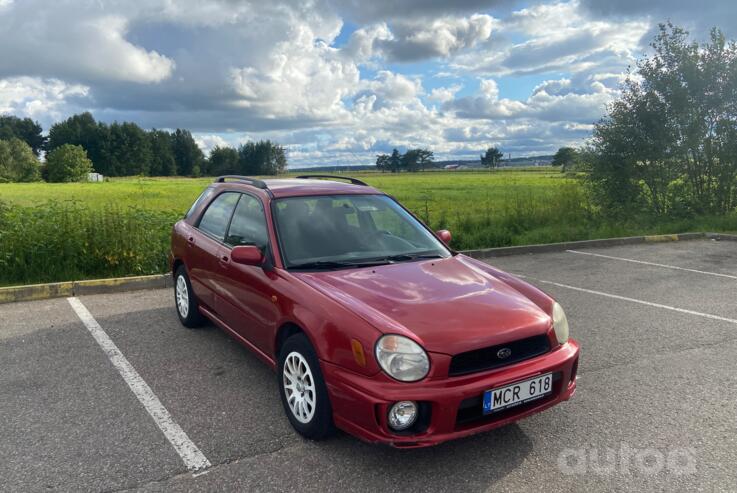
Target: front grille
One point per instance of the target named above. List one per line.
(487, 358)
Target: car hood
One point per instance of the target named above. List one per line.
(450, 305)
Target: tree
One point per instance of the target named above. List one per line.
(410, 160)
(18, 163)
(425, 157)
(162, 154)
(128, 150)
(382, 162)
(565, 157)
(395, 161)
(68, 163)
(187, 154)
(82, 130)
(491, 158)
(670, 141)
(627, 156)
(24, 129)
(261, 158)
(223, 161)
(278, 162)
(416, 159)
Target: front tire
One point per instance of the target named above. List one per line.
(303, 391)
(188, 309)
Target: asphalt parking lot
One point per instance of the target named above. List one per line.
(656, 406)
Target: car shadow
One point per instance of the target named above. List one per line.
(472, 463)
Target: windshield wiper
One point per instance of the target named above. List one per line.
(343, 264)
(335, 264)
(406, 257)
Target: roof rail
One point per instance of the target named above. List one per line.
(353, 181)
(250, 181)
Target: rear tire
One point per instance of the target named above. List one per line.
(303, 390)
(185, 301)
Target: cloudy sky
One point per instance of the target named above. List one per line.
(337, 81)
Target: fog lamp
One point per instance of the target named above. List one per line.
(402, 415)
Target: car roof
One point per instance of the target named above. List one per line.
(295, 187)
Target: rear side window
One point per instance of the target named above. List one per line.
(217, 216)
(248, 226)
(200, 200)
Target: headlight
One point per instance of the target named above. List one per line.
(560, 323)
(402, 358)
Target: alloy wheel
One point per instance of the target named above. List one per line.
(182, 297)
(299, 387)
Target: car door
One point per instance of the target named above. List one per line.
(245, 302)
(204, 243)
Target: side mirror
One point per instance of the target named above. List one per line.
(247, 255)
(444, 235)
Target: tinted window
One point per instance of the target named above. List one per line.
(248, 226)
(215, 219)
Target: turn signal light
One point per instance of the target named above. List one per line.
(358, 353)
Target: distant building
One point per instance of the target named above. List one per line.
(95, 177)
(451, 166)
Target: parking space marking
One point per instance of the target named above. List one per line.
(666, 266)
(633, 300)
(192, 457)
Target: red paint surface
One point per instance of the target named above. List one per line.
(447, 305)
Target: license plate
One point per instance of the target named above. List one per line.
(517, 393)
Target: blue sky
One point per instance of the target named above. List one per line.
(337, 81)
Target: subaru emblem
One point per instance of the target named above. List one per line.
(504, 353)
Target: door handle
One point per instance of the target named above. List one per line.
(224, 259)
(190, 241)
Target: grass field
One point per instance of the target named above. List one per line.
(55, 232)
(447, 190)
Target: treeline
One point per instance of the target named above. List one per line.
(412, 160)
(420, 159)
(125, 149)
(252, 158)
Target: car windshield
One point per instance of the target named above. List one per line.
(329, 232)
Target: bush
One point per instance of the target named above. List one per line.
(68, 163)
(668, 144)
(17, 162)
(67, 241)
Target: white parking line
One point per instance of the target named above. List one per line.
(193, 458)
(633, 300)
(666, 266)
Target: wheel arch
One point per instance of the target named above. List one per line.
(175, 266)
(287, 330)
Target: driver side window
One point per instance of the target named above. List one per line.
(248, 226)
(215, 219)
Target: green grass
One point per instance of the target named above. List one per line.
(161, 194)
(69, 231)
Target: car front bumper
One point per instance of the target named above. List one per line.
(453, 405)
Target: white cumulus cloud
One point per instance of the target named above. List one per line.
(411, 40)
(80, 43)
(45, 100)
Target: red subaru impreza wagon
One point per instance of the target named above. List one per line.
(372, 322)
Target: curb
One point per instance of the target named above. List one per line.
(721, 236)
(572, 245)
(35, 292)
